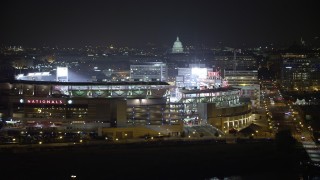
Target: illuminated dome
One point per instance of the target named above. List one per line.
(177, 46)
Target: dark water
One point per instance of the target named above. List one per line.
(193, 161)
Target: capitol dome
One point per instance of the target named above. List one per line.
(177, 46)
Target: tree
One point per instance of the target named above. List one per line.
(284, 141)
(201, 134)
(183, 134)
(216, 134)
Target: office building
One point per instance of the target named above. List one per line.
(154, 71)
(247, 81)
(301, 74)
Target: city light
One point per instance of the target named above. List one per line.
(73, 176)
(108, 86)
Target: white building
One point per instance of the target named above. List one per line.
(177, 46)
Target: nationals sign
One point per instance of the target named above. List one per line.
(44, 101)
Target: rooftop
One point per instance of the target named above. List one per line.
(84, 83)
(194, 91)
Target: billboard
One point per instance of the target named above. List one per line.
(199, 72)
(62, 74)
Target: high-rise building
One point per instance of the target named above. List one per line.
(154, 71)
(301, 74)
(247, 81)
(241, 62)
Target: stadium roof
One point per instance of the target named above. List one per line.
(122, 83)
(194, 91)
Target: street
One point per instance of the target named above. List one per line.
(282, 115)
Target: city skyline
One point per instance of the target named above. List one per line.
(120, 89)
(125, 23)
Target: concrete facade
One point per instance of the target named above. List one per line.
(225, 118)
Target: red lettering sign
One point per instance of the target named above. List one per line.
(44, 101)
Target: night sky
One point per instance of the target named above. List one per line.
(75, 23)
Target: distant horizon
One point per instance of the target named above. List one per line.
(169, 45)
